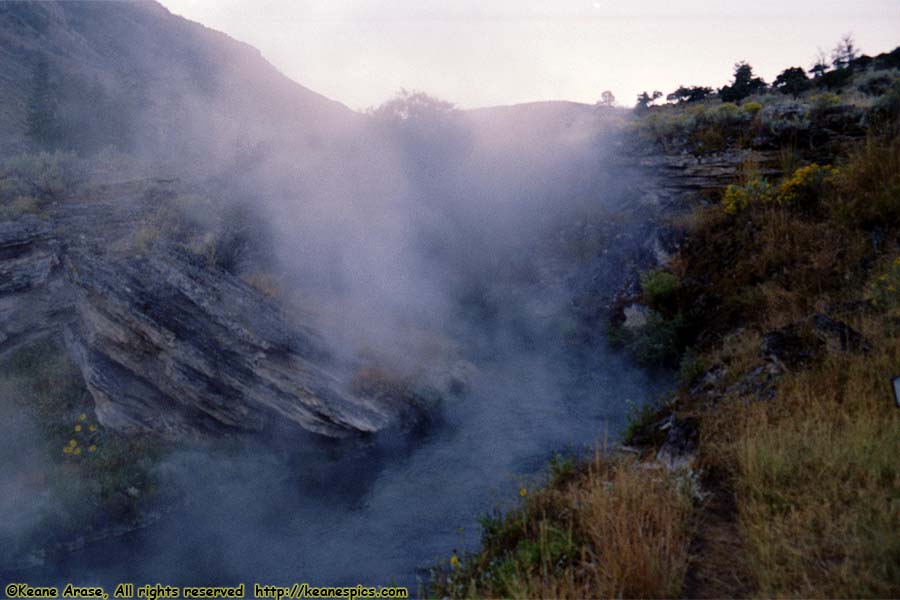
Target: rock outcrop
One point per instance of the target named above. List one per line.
(169, 346)
(165, 343)
(32, 303)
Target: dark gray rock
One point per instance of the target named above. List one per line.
(681, 441)
(31, 300)
(789, 347)
(837, 335)
(759, 382)
(168, 344)
(799, 344)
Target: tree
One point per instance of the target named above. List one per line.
(844, 53)
(744, 84)
(820, 65)
(792, 81)
(607, 99)
(644, 100)
(42, 119)
(413, 106)
(689, 94)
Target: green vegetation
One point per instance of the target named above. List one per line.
(612, 528)
(89, 474)
(817, 482)
(748, 113)
(743, 85)
(39, 178)
(659, 288)
(664, 334)
(809, 472)
(214, 232)
(782, 308)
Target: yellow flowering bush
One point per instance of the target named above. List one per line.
(739, 196)
(88, 437)
(824, 100)
(805, 186)
(751, 108)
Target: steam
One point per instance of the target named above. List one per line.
(419, 238)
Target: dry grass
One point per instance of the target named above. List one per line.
(616, 528)
(816, 478)
(809, 478)
(19, 206)
(268, 284)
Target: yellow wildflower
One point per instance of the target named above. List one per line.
(67, 450)
(92, 448)
(73, 443)
(78, 428)
(82, 417)
(77, 450)
(93, 427)
(523, 492)
(454, 561)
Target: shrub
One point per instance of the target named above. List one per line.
(18, 207)
(641, 428)
(806, 186)
(824, 100)
(885, 112)
(267, 283)
(690, 368)
(44, 176)
(562, 468)
(739, 196)
(659, 288)
(193, 222)
(884, 289)
(660, 341)
(727, 112)
(751, 108)
(867, 188)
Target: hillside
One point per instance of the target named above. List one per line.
(246, 332)
(767, 471)
(255, 277)
(134, 76)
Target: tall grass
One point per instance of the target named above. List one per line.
(818, 481)
(616, 528)
(813, 472)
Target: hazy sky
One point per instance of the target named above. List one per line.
(488, 52)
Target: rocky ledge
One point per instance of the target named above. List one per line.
(168, 345)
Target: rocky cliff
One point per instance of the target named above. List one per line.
(166, 343)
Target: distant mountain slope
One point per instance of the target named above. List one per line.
(132, 73)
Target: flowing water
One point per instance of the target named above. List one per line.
(384, 511)
(372, 514)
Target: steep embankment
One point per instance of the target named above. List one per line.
(769, 471)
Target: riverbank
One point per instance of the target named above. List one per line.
(770, 471)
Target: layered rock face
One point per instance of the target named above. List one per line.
(31, 283)
(165, 343)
